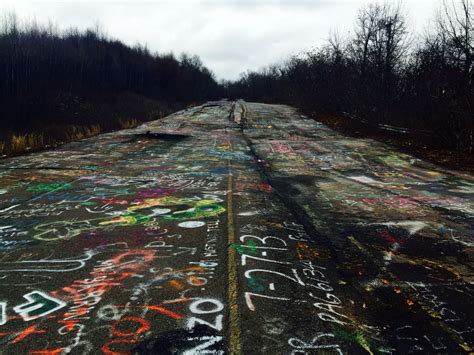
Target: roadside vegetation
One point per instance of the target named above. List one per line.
(382, 81)
(57, 86)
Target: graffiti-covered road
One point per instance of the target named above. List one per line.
(237, 228)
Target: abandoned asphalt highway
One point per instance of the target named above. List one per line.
(235, 228)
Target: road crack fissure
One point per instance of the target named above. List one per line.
(298, 213)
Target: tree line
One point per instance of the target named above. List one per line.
(384, 76)
(39, 64)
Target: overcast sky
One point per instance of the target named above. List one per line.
(230, 36)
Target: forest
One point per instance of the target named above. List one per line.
(383, 77)
(57, 86)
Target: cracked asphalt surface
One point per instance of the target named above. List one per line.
(238, 228)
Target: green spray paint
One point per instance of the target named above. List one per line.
(49, 187)
(254, 284)
(198, 208)
(354, 337)
(249, 247)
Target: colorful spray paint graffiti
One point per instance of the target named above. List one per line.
(389, 219)
(266, 234)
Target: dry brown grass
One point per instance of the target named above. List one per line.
(118, 111)
(25, 142)
(21, 143)
(128, 123)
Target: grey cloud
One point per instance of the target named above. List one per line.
(230, 36)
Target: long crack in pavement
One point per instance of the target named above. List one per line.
(238, 228)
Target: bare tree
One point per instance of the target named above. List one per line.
(455, 24)
(380, 37)
(378, 50)
(337, 46)
(366, 28)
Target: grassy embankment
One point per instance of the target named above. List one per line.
(84, 116)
